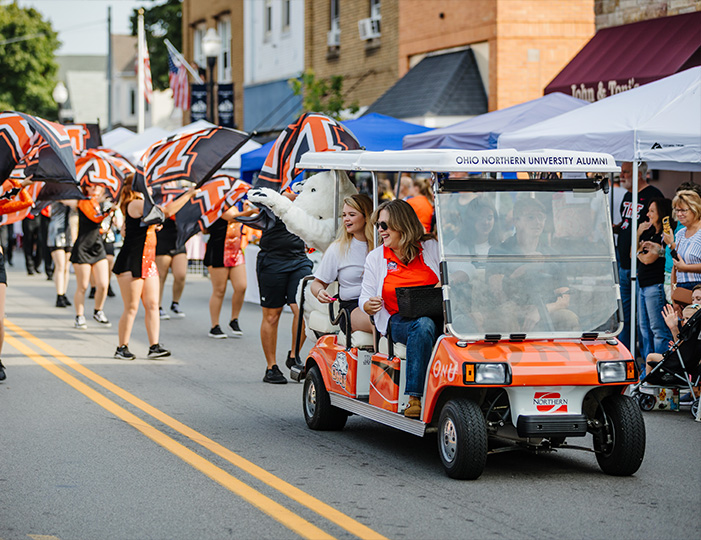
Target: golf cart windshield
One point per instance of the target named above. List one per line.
(527, 264)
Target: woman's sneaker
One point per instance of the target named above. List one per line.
(177, 312)
(156, 351)
(60, 302)
(274, 376)
(163, 314)
(80, 322)
(123, 353)
(2, 372)
(100, 317)
(216, 333)
(235, 328)
(66, 300)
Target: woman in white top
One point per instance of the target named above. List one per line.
(345, 259)
(687, 242)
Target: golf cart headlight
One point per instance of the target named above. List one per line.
(491, 374)
(616, 371)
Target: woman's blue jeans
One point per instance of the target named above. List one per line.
(418, 335)
(654, 336)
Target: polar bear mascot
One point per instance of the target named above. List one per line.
(309, 216)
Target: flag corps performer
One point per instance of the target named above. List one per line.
(136, 270)
(8, 205)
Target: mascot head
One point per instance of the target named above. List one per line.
(316, 195)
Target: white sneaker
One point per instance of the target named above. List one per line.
(164, 314)
(100, 317)
(80, 322)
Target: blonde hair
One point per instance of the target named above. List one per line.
(691, 199)
(402, 218)
(362, 204)
(424, 187)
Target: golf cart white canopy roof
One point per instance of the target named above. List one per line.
(445, 160)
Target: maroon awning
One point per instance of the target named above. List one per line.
(623, 57)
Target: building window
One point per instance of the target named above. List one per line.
(132, 101)
(333, 38)
(375, 9)
(268, 20)
(286, 15)
(224, 61)
(197, 52)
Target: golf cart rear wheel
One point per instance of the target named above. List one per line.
(462, 439)
(319, 414)
(620, 444)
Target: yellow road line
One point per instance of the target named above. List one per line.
(326, 511)
(265, 504)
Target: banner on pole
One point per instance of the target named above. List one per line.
(198, 102)
(225, 105)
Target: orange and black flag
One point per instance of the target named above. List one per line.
(311, 132)
(189, 156)
(194, 157)
(96, 166)
(84, 136)
(215, 197)
(21, 133)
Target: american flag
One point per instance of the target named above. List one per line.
(148, 83)
(177, 74)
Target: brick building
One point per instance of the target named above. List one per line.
(518, 45)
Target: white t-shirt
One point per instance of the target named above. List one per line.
(347, 268)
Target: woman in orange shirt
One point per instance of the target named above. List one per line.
(421, 200)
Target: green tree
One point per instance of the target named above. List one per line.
(27, 62)
(322, 95)
(161, 21)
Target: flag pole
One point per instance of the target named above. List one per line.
(140, 99)
(181, 58)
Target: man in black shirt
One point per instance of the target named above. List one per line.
(646, 193)
(282, 263)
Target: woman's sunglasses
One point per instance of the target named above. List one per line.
(382, 225)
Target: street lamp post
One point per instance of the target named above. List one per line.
(211, 46)
(60, 95)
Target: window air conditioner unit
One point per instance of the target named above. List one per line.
(333, 38)
(369, 28)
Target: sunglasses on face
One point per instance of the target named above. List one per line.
(382, 225)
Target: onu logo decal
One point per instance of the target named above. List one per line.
(550, 402)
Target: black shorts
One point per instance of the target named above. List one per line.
(278, 279)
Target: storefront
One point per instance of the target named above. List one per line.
(619, 58)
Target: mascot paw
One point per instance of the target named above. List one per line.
(270, 198)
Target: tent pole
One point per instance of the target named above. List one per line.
(634, 258)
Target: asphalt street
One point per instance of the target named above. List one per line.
(197, 446)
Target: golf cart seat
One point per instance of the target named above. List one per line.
(399, 348)
(359, 339)
(316, 314)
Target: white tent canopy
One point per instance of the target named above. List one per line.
(659, 122)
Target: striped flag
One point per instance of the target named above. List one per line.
(177, 75)
(148, 82)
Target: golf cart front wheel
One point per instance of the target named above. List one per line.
(462, 439)
(620, 443)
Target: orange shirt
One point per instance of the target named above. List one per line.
(414, 274)
(423, 209)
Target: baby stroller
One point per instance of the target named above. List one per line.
(679, 367)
